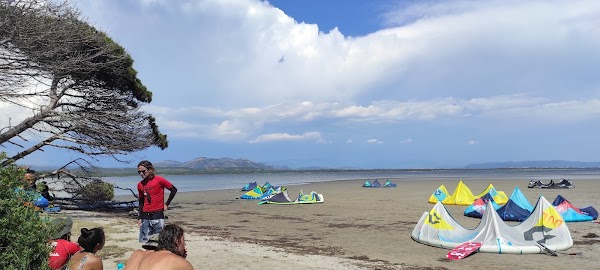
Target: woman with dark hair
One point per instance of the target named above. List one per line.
(91, 240)
(151, 198)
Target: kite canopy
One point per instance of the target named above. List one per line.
(258, 194)
(249, 186)
(389, 183)
(439, 195)
(570, 213)
(254, 194)
(463, 196)
(267, 186)
(477, 209)
(499, 196)
(374, 184)
(563, 183)
(544, 228)
(518, 208)
(283, 198)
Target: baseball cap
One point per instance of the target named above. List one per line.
(62, 226)
(152, 243)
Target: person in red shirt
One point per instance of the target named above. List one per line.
(151, 198)
(61, 243)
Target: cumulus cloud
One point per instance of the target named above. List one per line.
(432, 53)
(227, 131)
(434, 49)
(473, 142)
(436, 64)
(239, 124)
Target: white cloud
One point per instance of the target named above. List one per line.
(439, 49)
(287, 137)
(227, 131)
(440, 64)
(321, 141)
(409, 140)
(239, 124)
(178, 125)
(374, 141)
(12, 115)
(473, 142)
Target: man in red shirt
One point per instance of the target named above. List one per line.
(62, 246)
(151, 192)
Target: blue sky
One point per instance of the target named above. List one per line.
(369, 84)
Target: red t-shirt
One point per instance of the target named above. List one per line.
(63, 250)
(155, 189)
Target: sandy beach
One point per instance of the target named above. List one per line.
(356, 228)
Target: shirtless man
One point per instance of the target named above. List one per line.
(169, 255)
(137, 256)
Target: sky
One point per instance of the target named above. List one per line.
(362, 84)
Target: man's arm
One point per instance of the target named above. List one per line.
(173, 191)
(140, 204)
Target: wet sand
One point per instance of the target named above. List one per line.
(355, 228)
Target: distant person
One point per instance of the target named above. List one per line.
(152, 204)
(28, 192)
(170, 254)
(136, 257)
(46, 191)
(29, 180)
(62, 247)
(91, 240)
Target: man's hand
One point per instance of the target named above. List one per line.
(166, 207)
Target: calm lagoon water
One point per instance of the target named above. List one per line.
(202, 182)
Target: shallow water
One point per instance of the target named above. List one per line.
(202, 182)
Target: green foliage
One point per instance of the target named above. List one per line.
(50, 41)
(98, 191)
(160, 139)
(23, 232)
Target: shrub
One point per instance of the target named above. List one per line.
(98, 191)
(23, 232)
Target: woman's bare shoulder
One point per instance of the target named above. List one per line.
(94, 262)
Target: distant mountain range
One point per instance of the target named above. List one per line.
(535, 164)
(203, 163)
(244, 165)
(217, 163)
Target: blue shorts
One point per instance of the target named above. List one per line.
(150, 227)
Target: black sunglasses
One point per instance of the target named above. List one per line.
(142, 171)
